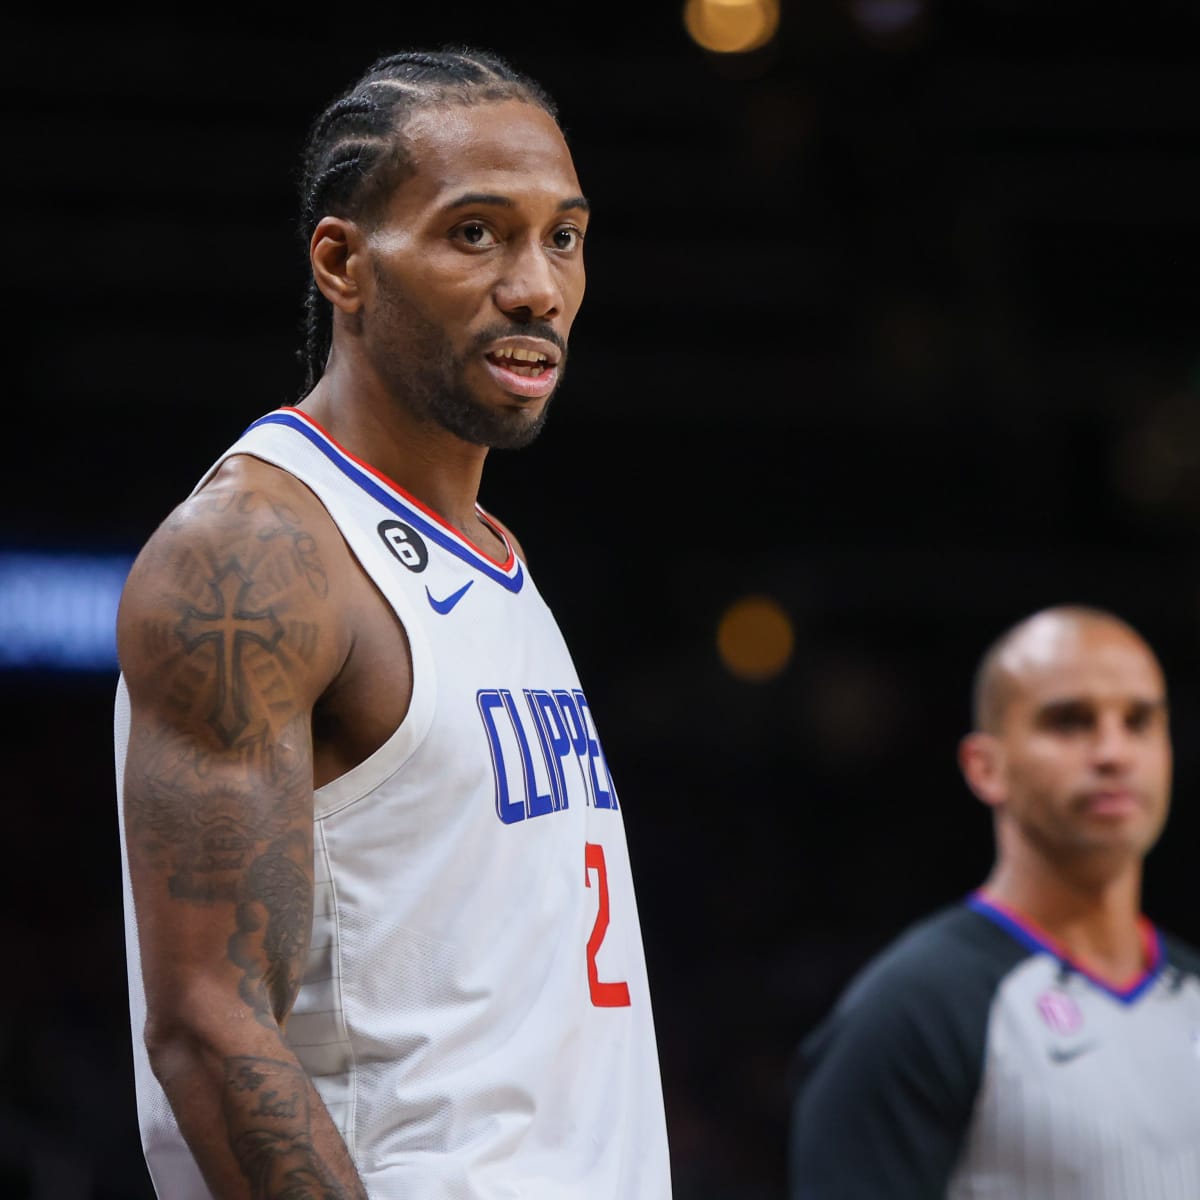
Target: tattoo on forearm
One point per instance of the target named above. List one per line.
(269, 1122)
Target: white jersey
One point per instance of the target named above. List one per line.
(474, 1012)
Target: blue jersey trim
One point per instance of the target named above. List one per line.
(394, 504)
(1030, 939)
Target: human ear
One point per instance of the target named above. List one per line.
(336, 254)
(981, 758)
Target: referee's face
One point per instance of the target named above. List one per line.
(1083, 754)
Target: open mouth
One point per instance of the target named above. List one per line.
(528, 372)
(530, 363)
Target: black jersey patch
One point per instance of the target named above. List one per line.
(406, 544)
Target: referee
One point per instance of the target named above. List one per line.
(1040, 1039)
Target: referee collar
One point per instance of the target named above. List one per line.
(1039, 941)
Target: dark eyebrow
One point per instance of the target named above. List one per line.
(1066, 706)
(488, 198)
(470, 198)
(1072, 706)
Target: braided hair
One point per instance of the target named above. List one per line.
(355, 154)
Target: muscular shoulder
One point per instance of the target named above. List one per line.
(952, 959)
(922, 1004)
(247, 572)
(886, 1086)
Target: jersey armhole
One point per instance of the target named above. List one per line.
(400, 745)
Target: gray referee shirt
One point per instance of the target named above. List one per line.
(972, 1059)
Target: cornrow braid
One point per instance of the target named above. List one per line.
(355, 155)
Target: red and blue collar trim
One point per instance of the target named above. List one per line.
(509, 574)
(1039, 941)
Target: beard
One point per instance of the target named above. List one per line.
(421, 369)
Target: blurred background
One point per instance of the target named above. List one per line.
(891, 338)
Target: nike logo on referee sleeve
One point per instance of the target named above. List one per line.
(1066, 1054)
(444, 606)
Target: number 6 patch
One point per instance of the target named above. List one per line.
(405, 543)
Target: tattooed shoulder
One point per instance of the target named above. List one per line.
(229, 633)
(228, 614)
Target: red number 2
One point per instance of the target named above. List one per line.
(604, 995)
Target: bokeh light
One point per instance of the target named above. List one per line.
(731, 26)
(755, 638)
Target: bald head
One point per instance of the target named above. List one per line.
(1036, 645)
(1072, 746)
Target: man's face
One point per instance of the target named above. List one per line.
(477, 270)
(1084, 752)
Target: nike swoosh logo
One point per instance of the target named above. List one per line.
(444, 606)
(1066, 1054)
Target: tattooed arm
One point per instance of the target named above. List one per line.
(232, 626)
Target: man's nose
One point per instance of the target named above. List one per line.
(529, 289)
(1115, 742)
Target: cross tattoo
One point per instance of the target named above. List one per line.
(231, 626)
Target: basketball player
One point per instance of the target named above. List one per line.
(381, 929)
(1042, 1038)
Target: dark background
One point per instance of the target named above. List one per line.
(897, 329)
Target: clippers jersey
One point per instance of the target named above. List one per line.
(474, 1012)
(972, 1060)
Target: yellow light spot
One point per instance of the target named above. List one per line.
(755, 638)
(731, 26)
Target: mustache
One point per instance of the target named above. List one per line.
(537, 329)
